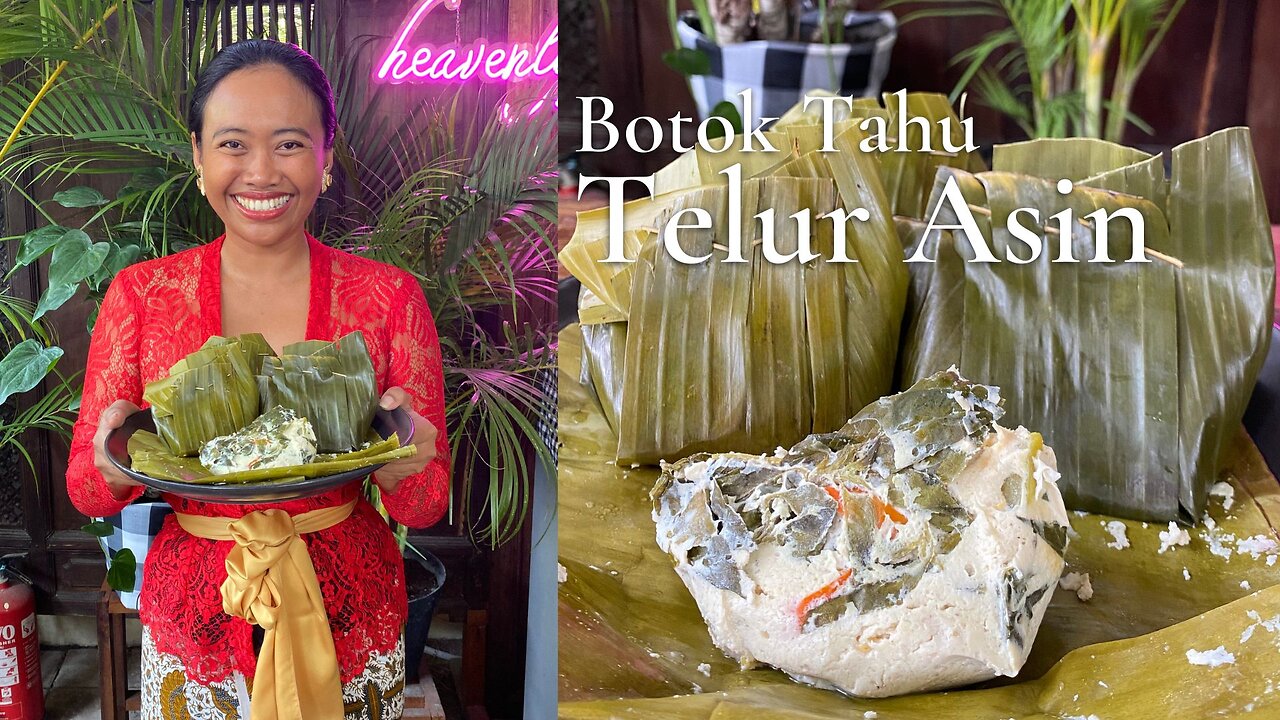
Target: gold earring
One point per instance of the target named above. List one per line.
(326, 181)
(200, 179)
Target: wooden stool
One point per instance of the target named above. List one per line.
(422, 701)
(113, 657)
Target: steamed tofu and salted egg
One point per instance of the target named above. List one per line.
(915, 548)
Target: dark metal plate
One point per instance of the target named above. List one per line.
(385, 422)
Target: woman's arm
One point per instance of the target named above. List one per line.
(111, 374)
(419, 500)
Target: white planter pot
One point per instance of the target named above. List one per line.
(779, 73)
(136, 528)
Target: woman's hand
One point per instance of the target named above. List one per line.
(113, 417)
(389, 476)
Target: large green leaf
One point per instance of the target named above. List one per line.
(79, 197)
(122, 574)
(75, 258)
(25, 366)
(38, 242)
(687, 61)
(54, 297)
(118, 258)
(99, 528)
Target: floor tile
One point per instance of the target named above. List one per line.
(72, 704)
(80, 669)
(50, 661)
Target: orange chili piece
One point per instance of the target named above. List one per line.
(821, 595)
(836, 495)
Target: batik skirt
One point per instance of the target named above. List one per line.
(167, 694)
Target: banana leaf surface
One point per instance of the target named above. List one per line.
(603, 349)
(1136, 373)
(633, 644)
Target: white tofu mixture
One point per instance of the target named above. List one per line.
(916, 548)
(277, 438)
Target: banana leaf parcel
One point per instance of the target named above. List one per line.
(255, 347)
(332, 384)
(747, 355)
(1137, 373)
(209, 393)
(788, 349)
(1172, 631)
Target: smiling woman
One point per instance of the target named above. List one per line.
(262, 128)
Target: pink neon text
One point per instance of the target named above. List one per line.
(481, 59)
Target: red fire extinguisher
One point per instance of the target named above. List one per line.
(21, 692)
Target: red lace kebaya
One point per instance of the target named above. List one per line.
(157, 312)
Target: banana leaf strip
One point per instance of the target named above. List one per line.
(1087, 161)
(150, 456)
(253, 345)
(584, 254)
(908, 176)
(604, 347)
(1062, 332)
(1218, 227)
(935, 302)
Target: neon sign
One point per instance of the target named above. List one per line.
(482, 60)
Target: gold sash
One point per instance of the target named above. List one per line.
(272, 584)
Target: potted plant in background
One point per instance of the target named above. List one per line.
(1048, 68)
(779, 52)
(464, 201)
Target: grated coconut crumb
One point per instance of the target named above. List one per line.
(1118, 533)
(1213, 658)
(1173, 537)
(1224, 491)
(1256, 546)
(1078, 582)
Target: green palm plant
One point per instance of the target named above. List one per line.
(1047, 69)
(467, 205)
(76, 107)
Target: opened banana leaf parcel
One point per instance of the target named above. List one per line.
(1117, 324)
